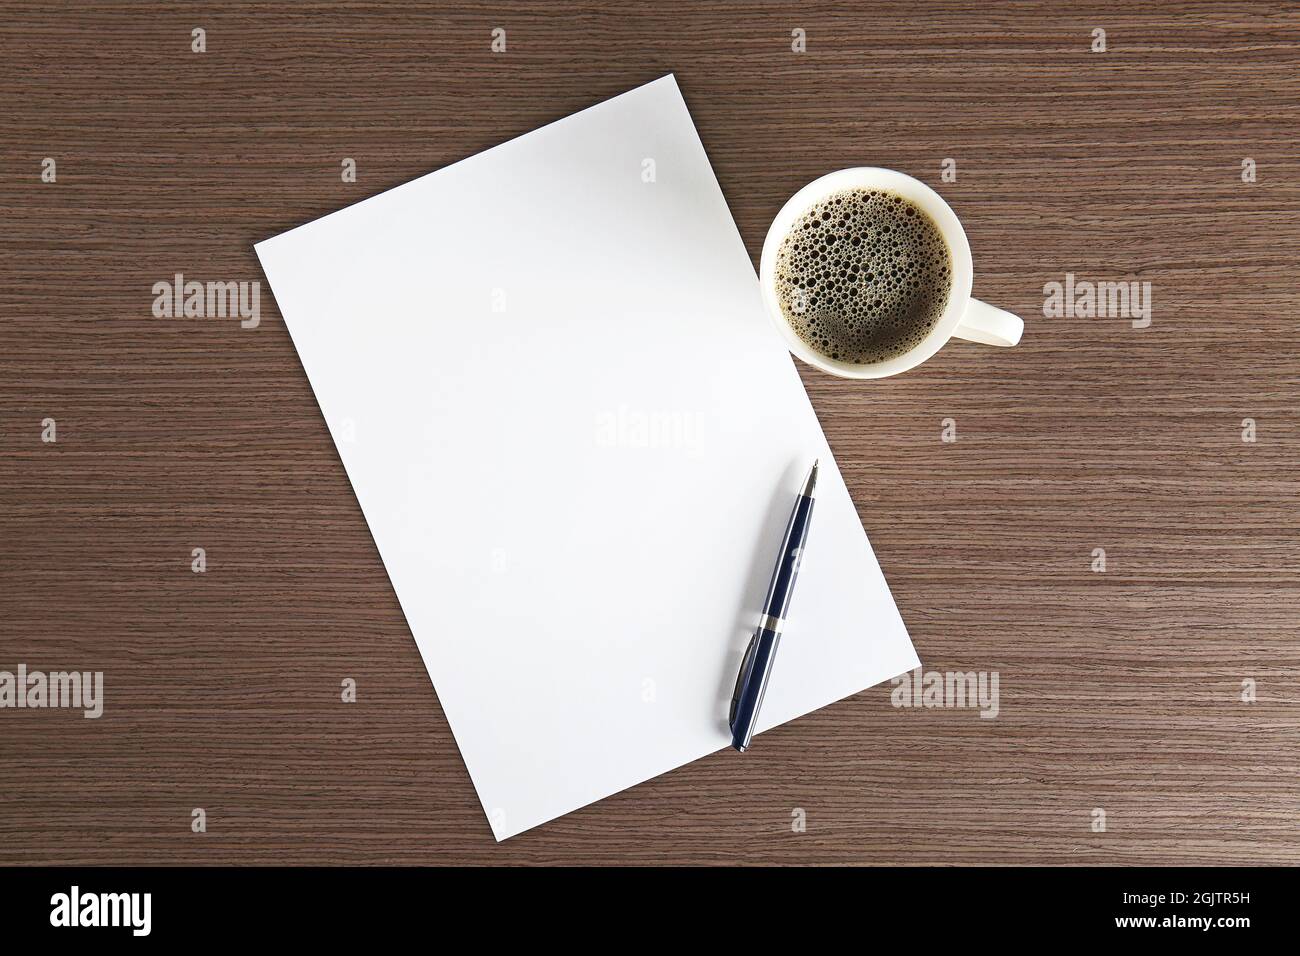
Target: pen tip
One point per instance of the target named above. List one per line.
(810, 483)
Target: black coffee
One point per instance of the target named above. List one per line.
(863, 276)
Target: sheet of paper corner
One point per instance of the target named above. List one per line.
(576, 439)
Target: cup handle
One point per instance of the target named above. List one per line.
(992, 326)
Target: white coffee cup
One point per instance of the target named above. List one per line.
(963, 318)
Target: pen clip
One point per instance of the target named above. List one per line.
(745, 665)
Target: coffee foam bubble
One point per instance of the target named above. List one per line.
(863, 276)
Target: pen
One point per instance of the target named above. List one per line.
(756, 667)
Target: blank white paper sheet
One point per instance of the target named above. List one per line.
(577, 440)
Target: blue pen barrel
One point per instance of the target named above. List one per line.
(752, 684)
(787, 569)
(756, 667)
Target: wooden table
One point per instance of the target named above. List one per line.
(1120, 690)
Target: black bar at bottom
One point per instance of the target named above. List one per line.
(949, 906)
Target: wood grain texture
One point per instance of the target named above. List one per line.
(1119, 690)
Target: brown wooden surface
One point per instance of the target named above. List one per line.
(1119, 690)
